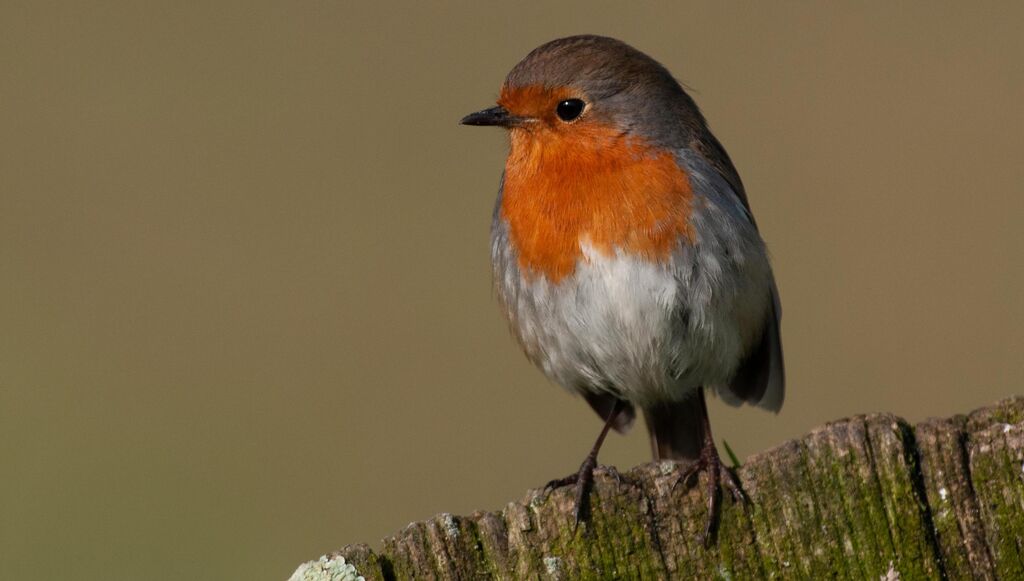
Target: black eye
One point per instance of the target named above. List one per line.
(570, 109)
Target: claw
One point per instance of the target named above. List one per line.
(719, 475)
(620, 478)
(584, 478)
(732, 482)
(689, 472)
(584, 482)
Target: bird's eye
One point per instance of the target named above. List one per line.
(570, 109)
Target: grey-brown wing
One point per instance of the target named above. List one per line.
(761, 376)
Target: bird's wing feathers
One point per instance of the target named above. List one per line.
(760, 377)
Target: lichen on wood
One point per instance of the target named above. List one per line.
(869, 497)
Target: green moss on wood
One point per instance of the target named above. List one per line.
(854, 499)
(996, 458)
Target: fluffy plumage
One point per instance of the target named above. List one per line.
(624, 251)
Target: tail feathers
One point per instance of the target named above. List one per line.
(761, 377)
(677, 428)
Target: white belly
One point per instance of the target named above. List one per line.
(646, 331)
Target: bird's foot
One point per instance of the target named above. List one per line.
(583, 480)
(719, 475)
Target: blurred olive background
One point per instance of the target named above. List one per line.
(245, 303)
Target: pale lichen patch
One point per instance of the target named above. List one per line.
(553, 565)
(327, 568)
(451, 528)
(891, 575)
(666, 467)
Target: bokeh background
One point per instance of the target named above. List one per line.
(245, 304)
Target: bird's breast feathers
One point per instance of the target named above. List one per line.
(643, 277)
(614, 193)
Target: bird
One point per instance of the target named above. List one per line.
(625, 255)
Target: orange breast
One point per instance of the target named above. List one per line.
(590, 185)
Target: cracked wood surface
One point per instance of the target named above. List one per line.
(860, 498)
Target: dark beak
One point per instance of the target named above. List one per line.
(497, 116)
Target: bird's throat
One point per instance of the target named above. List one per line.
(591, 185)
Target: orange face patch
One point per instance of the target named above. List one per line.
(535, 101)
(567, 184)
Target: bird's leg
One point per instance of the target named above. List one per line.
(718, 474)
(584, 478)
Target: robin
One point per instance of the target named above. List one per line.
(625, 254)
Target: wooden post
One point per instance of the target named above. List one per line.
(868, 497)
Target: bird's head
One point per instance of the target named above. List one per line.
(585, 91)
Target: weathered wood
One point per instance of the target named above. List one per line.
(863, 498)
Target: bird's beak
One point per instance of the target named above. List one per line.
(496, 116)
